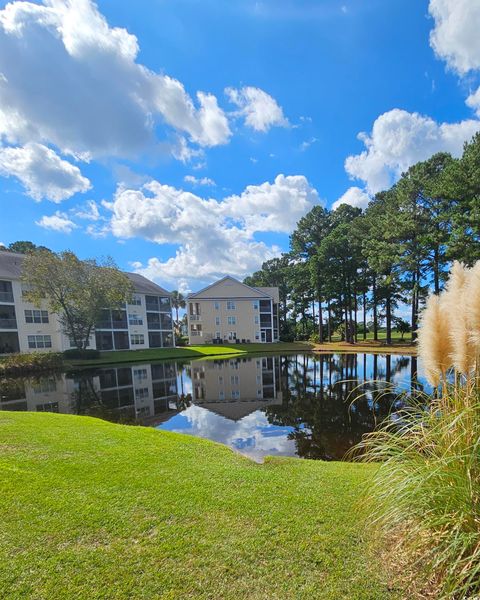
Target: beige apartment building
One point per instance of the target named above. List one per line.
(229, 311)
(144, 322)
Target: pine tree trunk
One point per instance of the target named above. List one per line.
(364, 315)
(389, 318)
(329, 324)
(375, 310)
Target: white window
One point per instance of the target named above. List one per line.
(234, 379)
(232, 335)
(221, 395)
(217, 320)
(39, 341)
(140, 373)
(257, 335)
(257, 320)
(36, 316)
(218, 335)
(217, 305)
(231, 305)
(135, 320)
(259, 393)
(137, 339)
(141, 393)
(255, 305)
(259, 379)
(135, 301)
(232, 320)
(235, 394)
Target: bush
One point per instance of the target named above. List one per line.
(426, 491)
(78, 353)
(20, 364)
(314, 338)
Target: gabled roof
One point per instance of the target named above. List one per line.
(10, 264)
(11, 268)
(228, 287)
(143, 285)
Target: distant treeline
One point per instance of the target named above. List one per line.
(349, 261)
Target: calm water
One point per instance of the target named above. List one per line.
(292, 405)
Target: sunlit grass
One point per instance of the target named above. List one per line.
(93, 510)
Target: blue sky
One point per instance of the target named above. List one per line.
(100, 122)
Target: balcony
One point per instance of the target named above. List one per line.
(8, 323)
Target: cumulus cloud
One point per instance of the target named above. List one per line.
(273, 206)
(42, 172)
(354, 196)
(57, 222)
(398, 140)
(213, 237)
(259, 109)
(455, 37)
(196, 181)
(69, 79)
(473, 101)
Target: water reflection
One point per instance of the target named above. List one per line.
(291, 405)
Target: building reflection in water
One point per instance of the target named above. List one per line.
(314, 406)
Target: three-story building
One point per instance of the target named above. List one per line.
(229, 311)
(145, 322)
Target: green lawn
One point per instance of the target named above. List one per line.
(89, 510)
(128, 356)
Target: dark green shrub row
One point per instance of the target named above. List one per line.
(19, 364)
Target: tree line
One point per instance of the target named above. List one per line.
(348, 262)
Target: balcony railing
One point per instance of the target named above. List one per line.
(8, 323)
(6, 297)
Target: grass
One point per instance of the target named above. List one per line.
(128, 356)
(426, 491)
(92, 510)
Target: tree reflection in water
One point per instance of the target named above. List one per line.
(329, 406)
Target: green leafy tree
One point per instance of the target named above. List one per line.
(76, 290)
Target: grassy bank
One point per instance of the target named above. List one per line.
(94, 510)
(190, 352)
(398, 346)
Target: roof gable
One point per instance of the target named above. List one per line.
(228, 287)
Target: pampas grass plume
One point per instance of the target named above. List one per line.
(472, 305)
(454, 299)
(434, 341)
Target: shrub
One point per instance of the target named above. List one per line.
(78, 353)
(427, 486)
(19, 364)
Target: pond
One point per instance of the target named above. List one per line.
(312, 406)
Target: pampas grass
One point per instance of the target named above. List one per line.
(426, 491)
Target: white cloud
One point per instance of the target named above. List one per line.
(276, 206)
(473, 101)
(260, 110)
(71, 80)
(354, 196)
(213, 237)
(57, 222)
(89, 212)
(196, 181)
(42, 172)
(307, 143)
(398, 140)
(455, 37)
